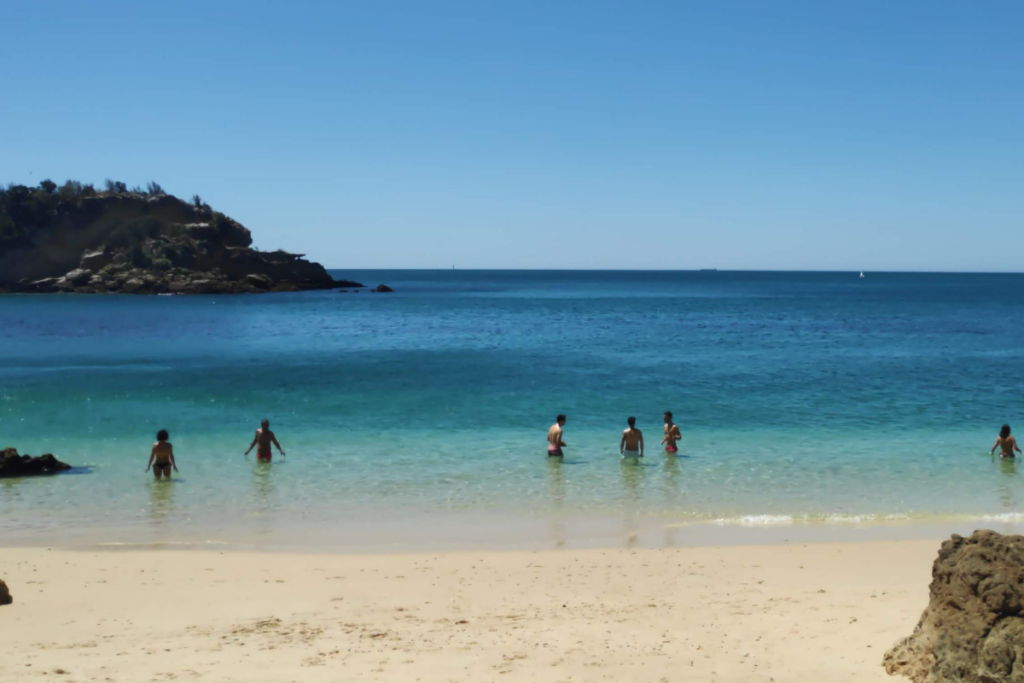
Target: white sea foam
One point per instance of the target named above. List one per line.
(786, 520)
(757, 520)
(1002, 517)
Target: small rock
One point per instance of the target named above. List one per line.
(259, 281)
(79, 276)
(5, 594)
(383, 289)
(132, 285)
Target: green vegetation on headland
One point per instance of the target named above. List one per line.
(77, 238)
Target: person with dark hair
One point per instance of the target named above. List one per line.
(632, 443)
(555, 443)
(161, 458)
(1006, 443)
(264, 437)
(671, 434)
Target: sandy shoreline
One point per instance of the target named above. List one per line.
(814, 612)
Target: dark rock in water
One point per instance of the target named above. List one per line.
(14, 465)
(81, 240)
(5, 594)
(973, 628)
(383, 289)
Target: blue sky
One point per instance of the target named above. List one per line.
(775, 135)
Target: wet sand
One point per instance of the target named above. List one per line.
(748, 613)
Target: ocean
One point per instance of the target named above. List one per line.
(817, 399)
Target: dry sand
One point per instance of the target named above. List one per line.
(815, 613)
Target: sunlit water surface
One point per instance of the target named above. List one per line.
(801, 397)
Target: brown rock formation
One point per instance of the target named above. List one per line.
(133, 242)
(5, 594)
(973, 628)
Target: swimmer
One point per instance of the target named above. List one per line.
(671, 434)
(632, 443)
(1006, 443)
(264, 437)
(555, 443)
(161, 458)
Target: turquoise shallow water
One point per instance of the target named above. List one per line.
(817, 397)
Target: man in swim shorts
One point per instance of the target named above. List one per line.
(671, 434)
(555, 443)
(632, 443)
(264, 437)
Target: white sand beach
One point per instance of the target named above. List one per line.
(787, 613)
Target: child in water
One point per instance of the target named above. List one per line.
(161, 458)
(1006, 443)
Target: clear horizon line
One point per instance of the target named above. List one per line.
(690, 270)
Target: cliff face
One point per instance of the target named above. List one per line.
(75, 239)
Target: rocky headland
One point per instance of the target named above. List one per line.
(75, 238)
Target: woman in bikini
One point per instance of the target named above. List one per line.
(161, 458)
(1006, 443)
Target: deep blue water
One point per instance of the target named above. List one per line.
(817, 396)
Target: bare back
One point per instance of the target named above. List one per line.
(1006, 446)
(632, 438)
(555, 435)
(162, 452)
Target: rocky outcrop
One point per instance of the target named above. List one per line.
(76, 239)
(14, 465)
(5, 594)
(973, 628)
(382, 289)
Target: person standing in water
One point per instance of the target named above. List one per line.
(632, 443)
(672, 434)
(161, 458)
(555, 443)
(264, 437)
(1006, 443)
